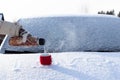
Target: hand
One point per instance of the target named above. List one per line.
(17, 41)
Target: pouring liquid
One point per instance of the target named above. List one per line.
(24, 39)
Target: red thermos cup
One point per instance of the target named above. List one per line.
(45, 59)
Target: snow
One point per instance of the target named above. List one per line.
(65, 34)
(76, 33)
(65, 66)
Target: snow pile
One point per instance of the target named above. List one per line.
(76, 33)
(65, 66)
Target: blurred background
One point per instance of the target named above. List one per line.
(15, 9)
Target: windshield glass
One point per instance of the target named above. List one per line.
(76, 33)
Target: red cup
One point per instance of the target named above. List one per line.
(45, 59)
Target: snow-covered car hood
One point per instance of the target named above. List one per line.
(65, 66)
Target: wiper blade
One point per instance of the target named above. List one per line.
(22, 52)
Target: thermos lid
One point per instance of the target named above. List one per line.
(41, 41)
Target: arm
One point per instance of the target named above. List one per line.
(9, 28)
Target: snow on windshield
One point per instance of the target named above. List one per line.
(76, 33)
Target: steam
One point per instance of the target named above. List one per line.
(24, 39)
(69, 37)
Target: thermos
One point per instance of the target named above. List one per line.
(45, 58)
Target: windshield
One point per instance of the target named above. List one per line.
(76, 33)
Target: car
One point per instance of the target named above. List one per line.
(72, 33)
(73, 43)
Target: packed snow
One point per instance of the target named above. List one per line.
(65, 66)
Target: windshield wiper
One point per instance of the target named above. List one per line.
(22, 52)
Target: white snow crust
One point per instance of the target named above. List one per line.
(65, 66)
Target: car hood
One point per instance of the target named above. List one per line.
(65, 66)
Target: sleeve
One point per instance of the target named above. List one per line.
(11, 29)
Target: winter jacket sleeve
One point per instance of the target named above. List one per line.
(12, 29)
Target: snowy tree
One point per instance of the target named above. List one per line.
(110, 12)
(107, 13)
(101, 12)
